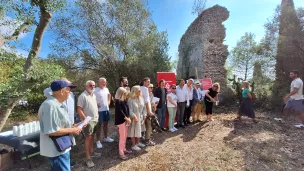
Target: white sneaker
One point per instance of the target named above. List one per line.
(278, 119)
(175, 129)
(108, 139)
(172, 130)
(135, 148)
(98, 144)
(141, 145)
(300, 126)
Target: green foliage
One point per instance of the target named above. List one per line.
(290, 52)
(42, 74)
(244, 55)
(111, 39)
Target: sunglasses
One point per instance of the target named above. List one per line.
(173, 88)
(92, 85)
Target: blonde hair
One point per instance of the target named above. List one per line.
(134, 90)
(120, 92)
(218, 86)
(246, 84)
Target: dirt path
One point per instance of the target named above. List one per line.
(214, 146)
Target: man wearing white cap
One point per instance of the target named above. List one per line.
(197, 102)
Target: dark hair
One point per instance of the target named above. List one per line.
(181, 80)
(295, 72)
(162, 80)
(122, 78)
(141, 83)
(146, 79)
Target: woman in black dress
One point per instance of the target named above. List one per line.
(211, 97)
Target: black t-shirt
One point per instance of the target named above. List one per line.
(211, 93)
(121, 110)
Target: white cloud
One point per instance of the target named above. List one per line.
(8, 26)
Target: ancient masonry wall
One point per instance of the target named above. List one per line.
(202, 46)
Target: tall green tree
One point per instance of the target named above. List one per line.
(111, 38)
(289, 55)
(36, 15)
(244, 55)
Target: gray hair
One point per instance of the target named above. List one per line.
(89, 81)
(102, 79)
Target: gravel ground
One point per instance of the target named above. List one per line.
(220, 145)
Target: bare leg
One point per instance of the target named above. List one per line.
(302, 117)
(105, 129)
(98, 132)
(137, 140)
(133, 141)
(88, 146)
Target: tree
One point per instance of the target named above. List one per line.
(289, 55)
(199, 6)
(112, 39)
(26, 12)
(244, 55)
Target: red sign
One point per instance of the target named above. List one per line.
(170, 79)
(206, 83)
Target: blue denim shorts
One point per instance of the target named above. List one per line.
(297, 105)
(103, 116)
(61, 162)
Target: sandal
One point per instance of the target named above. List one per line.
(123, 157)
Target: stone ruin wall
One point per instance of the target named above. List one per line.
(202, 47)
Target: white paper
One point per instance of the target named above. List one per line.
(155, 99)
(87, 119)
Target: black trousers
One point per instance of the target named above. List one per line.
(188, 112)
(209, 106)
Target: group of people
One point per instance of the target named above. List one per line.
(135, 110)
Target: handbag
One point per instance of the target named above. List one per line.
(62, 142)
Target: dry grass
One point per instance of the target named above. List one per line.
(221, 145)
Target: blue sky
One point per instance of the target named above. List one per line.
(175, 16)
(245, 16)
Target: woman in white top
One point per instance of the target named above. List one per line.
(172, 106)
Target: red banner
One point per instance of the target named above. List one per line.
(170, 79)
(206, 83)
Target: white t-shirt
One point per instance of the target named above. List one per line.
(189, 91)
(203, 93)
(174, 99)
(145, 93)
(297, 83)
(102, 98)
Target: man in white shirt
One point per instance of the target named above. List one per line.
(295, 97)
(182, 102)
(188, 110)
(103, 98)
(148, 110)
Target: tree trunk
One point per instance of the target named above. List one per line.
(45, 18)
(246, 70)
(6, 111)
